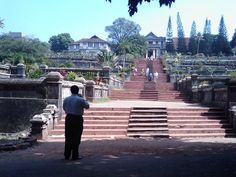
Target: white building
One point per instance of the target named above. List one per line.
(89, 45)
(156, 45)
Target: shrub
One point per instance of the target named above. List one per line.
(71, 75)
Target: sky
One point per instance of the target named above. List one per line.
(85, 18)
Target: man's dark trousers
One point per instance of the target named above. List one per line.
(73, 132)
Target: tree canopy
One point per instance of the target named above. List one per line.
(233, 41)
(26, 50)
(125, 38)
(169, 37)
(122, 29)
(182, 48)
(192, 45)
(1, 23)
(60, 42)
(132, 4)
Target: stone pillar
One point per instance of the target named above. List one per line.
(232, 117)
(54, 90)
(39, 127)
(90, 90)
(20, 70)
(194, 81)
(43, 68)
(106, 74)
(154, 53)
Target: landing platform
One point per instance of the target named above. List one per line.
(141, 103)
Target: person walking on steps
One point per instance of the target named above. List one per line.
(73, 106)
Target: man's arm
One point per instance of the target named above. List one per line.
(86, 104)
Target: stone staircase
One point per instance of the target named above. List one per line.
(106, 122)
(148, 122)
(138, 88)
(198, 122)
(166, 91)
(99, 123)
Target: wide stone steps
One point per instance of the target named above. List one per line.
(99, 123)
(148, 122)
(198, 122)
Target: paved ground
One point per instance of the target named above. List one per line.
(208, 157)
(132, 103)
(201, 157)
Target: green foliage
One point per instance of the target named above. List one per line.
(60, 42)
(106, 58)
(134, 45)
(205, 45)
(69, 64)
(89, 76)
(62, 65)
(232, 74)
(71, 75)
(14, 50)
(193, 43)
(221, 44)
(121, 29)
(1, 23)
(133, 4)
(33, 71)
(207, 27)
(182, 48)
(233, 41)
(169, 38)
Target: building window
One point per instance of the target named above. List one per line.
(90, 44)
(96, 45)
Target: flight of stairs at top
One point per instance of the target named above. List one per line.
(166, 91)
(137, 87)
(131, 88)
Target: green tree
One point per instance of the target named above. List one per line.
(207, 27)
(193, 45)
(169, 38)
(134, 3)
(221, 43)
(121, 29)
(233, 41)
(181, 37)
(106, 58)
(25, 50)
(207, 44)
(1, 23)
(60, 42)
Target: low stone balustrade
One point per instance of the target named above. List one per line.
(95, 92)
(42, 123)
(39, 127)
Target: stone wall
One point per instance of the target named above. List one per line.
(21, 99)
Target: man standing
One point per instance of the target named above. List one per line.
(74, 108)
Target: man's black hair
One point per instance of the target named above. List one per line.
(74, 89)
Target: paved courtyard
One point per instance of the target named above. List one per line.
(148, 157)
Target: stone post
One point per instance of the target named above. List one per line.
(43, 68)
(54, 90)
(90, 90)
(39, 127)
(20, 70)
(231, 102)
(106, 74)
